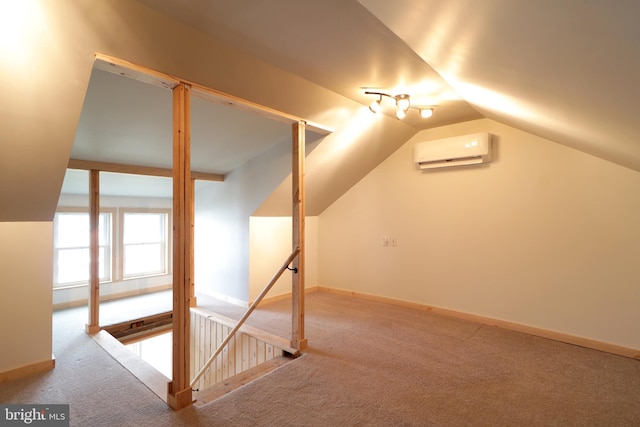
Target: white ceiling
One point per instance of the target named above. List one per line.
(564, 70)
(126, 121)
(122, 116)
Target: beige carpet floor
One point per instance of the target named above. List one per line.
(369, 364)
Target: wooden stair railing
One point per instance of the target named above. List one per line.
(246, 315)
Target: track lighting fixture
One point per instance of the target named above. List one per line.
(403, 104)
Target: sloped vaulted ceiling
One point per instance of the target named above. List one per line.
(564, 70)
(337, 44)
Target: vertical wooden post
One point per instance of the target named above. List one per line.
(179, 392)
(298, 340)
(94, 252)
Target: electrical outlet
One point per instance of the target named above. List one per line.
(393, 241)
(384, 241)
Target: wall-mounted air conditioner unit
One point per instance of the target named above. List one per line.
(456, 151)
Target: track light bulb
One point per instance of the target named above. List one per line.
(426, 113)
(375, 106)
(403, 103)
(400, 113)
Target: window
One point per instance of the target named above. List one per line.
(71, 248)
(144, 243)
(133, 243)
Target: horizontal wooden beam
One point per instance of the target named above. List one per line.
(136, 326)
(137, 170)
(133, 71)
(156, 78)
(218, 97)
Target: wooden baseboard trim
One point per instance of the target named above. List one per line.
(26, 371)
(543, 333)
(281, 297)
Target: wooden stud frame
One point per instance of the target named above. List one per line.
(137, 170)
(298, 340)
(93, 325)
(179, 393)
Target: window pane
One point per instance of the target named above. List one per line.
(144, 259)
(103, 232)
(72, 230)
(71, 247)
(143, 228)
(144, 241)
(73, 265)
(104, 265)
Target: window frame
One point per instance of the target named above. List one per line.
(109, 254)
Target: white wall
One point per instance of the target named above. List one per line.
(222, 212)
(25, 306)
(57, 42)
(270, 245)
(544, 236)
